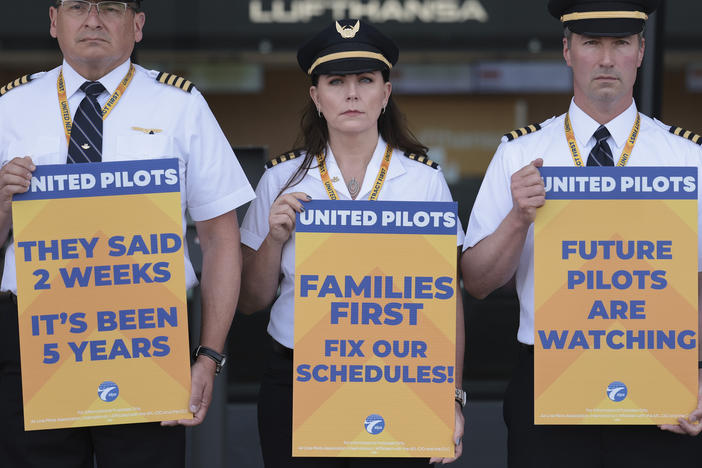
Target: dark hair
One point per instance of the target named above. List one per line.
(314, 134)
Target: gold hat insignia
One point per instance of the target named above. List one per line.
(348, 31)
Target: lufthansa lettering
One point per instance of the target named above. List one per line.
(377, 11)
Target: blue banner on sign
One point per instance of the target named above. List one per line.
(378, 217)
(103, 179)
(620, 183)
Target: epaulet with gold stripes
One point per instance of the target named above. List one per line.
(681, 132)
(175, 80)
(514, 134)
(13, 84)
(282, 158)
(423, 159)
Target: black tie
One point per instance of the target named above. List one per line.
(601, 154)
(86, 132)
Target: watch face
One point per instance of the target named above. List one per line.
(461, 396)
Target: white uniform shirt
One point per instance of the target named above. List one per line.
(212, 181)
(407, 180)
(655, 147)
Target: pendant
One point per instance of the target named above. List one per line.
(354, 187)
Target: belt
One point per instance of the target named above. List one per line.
(281, 350)
(529, 348)
(8, 296)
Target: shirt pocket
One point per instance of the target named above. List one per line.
(42, 150)
(142, 146)
(137, 146)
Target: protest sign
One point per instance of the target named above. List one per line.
(101, 294)
(615, 282)
(375, 316)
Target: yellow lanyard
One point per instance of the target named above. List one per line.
(111, 103)
(626, 153)
(382, 173)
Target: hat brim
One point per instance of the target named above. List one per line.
(615, 27)
(349, 66)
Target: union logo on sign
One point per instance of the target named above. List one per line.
(108, 391)
(617, 391)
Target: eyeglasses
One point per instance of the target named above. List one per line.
(106, 10)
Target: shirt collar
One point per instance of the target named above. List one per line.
(110, 81)
(620, 126)
(584, 126)
(395, 169)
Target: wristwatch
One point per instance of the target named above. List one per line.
(461, 397)
(219, 359)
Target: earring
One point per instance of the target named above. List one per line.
(319, 113)
(383, 111)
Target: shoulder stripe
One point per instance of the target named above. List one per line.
(175, 80)
(282, 158)
(13, 84)
(514, 134)
(681, 132)
(423, 159)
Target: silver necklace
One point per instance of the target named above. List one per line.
(354, 187)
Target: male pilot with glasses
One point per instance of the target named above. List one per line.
(603, 44)
(156, 115)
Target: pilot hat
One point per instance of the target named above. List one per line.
(603, 18)
(345, 47)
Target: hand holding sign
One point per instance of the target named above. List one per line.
(528, 192)
(15, 177)
(282, 216)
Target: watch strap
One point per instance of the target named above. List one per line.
(219, 359)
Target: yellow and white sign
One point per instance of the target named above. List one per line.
(375, 327)
(615, 279)
(101, 295)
